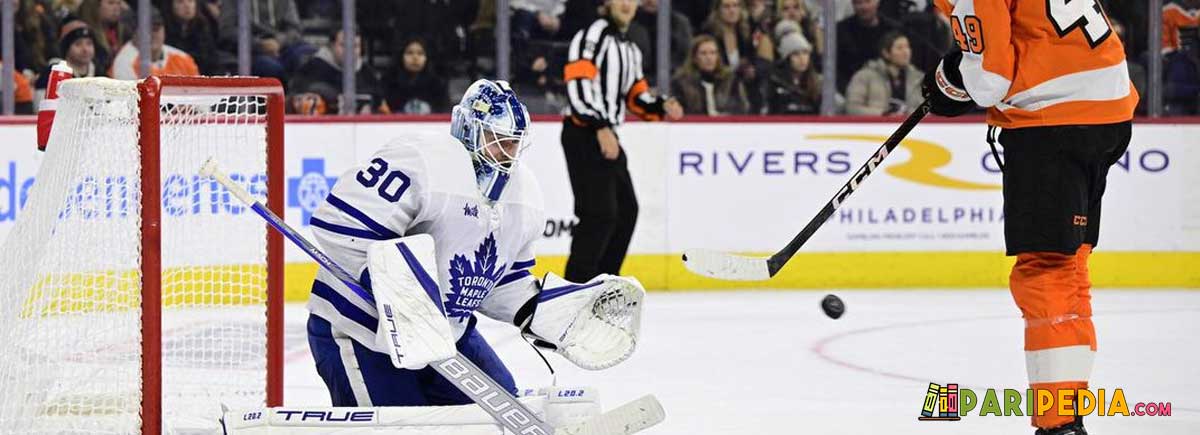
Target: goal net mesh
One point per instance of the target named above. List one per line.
(71, 268)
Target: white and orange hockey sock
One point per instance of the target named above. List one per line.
(1054, 295)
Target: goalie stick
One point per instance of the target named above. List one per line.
(465, 375)
(726, 266)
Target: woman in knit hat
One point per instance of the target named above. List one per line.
(794, 86)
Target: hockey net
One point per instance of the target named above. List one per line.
(136, 296)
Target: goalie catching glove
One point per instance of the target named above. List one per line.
(594, 325)
(412, 317)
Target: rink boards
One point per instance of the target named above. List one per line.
(932, 217)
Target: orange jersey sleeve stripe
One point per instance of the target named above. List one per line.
(580, 69)
(636, 90)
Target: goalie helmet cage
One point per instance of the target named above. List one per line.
(135, 295)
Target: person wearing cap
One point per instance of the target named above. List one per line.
(77, 44)
(807, 21)
(794, 86)
(164, 59)
(887, 85)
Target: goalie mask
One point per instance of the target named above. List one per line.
(493, 125)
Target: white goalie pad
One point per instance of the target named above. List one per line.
(412, 315)
(558, 406)
(594, 325)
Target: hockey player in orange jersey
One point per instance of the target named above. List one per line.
(1052, 75)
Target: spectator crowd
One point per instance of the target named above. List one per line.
(728, 57)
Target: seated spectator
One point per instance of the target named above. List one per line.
(278, 47)
(1181, 93)
(681, 36)
(443, 24)
(164, 59)
(1176, 15)
(760, 16)
(33, 36)
(77, 44)
(748, 52)
(189, 31)
(537, 19)
(889, 85)
(797, 12)
(929, 35)
(535, 26)
(22, 94)
(104, 16)
(322, 76)
(858, 38)
(794, 86)
(705, 85)
(414, 88)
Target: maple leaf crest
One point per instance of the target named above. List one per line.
(472, 280)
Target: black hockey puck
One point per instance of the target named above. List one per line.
(833, 306)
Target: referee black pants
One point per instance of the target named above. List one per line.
(605, 204)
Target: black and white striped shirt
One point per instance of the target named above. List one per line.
(604, 76)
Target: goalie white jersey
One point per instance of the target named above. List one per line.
(425, 184)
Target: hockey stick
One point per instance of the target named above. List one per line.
(742, 268)
(465, 375)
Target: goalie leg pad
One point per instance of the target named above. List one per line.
(412, 315)
(358, 376)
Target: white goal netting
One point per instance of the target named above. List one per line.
(71, 280)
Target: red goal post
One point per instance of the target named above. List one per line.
(151, 90)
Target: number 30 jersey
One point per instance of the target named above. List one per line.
(425, 184)
(1042, 62)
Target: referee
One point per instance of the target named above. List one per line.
(604, 76)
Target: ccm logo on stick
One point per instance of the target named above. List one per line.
(491, 398)
(859, 176)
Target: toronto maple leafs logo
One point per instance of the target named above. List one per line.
(471, 281)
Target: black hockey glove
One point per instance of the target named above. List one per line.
(944, 89)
